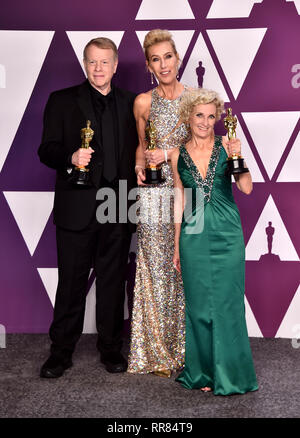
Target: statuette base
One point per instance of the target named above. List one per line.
(153, 176)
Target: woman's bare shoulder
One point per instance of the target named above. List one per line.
(143, 99)
(142, 105)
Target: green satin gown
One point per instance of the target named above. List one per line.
(212, 261)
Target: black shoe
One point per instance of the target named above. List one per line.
(55, 367)
(114, 363)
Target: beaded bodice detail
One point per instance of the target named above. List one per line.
(164, 114)
(205, 184)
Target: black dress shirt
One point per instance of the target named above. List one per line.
(107, 119)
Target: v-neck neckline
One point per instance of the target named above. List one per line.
(209, 162)
(205, 184)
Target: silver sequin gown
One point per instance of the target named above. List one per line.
(158, 316)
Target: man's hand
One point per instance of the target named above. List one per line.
(82, 157)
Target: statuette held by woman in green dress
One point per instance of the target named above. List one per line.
(235, 162)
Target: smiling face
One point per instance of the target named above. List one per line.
(202, 120)
(163, 62)
(100, 66)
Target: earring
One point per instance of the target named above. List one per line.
(152, 81)
(177, 76)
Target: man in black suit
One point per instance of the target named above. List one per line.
(82, 241)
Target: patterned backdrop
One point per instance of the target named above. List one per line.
(247, 50)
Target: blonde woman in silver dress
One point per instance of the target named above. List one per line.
(158, 322)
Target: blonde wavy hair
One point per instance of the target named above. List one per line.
(199, 96)
(156, 36)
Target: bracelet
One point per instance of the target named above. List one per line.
(166, 155)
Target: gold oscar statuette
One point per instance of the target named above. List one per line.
(80, 174)
(153, 172)
(235, 163)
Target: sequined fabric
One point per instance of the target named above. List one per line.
(158, 326)
(204, 184)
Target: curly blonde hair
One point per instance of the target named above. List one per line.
(156, 36)
(199, 96)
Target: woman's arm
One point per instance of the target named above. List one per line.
(159, 156)
(243, 180)
(141, 109)
(178, 208)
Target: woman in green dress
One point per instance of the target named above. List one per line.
(210, 253)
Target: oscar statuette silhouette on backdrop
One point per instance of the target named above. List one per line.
(269, 255)
(270, 284)
(200, 71)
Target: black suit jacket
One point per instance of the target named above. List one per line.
(65, 115)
